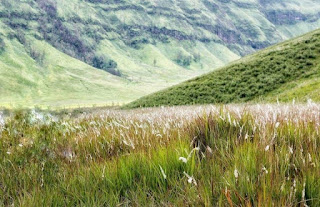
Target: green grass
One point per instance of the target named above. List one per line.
(64, 81)
(286, 71)
(145, 38)
(235, 156)
(300, 91)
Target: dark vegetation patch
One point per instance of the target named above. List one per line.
(186, 60)
(35, 53)
(281, 17)
(183, 60)
(2, 45)
(103, 63)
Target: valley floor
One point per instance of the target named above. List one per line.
(228, 155)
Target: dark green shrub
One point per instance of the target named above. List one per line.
(103, 63)
(183, 60)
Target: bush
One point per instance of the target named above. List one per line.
(183, 60)
(20, 36)
(38, 56)
(103, 63)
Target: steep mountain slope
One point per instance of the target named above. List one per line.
(287, 71)
(140, 46)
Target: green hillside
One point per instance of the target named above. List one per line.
(64, 53)
(287, 71)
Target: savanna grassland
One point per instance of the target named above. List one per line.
(233, 155)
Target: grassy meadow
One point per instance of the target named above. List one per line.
(230, 155)
(286, 71)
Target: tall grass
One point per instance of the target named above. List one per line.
(234, 155)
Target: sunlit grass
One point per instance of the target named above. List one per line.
(234, 155)
(288, 70)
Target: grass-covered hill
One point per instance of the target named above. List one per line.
(286, 71)
(57, 52)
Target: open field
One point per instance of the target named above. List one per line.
(231, 155)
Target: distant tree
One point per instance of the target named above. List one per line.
(183, 60)
(103, 63)
(99, 62)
